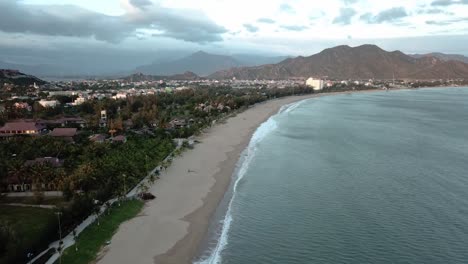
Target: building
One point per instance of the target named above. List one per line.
(47, 104)
(65, 133)
(119, 96)
(316, 84)
(21, 105)
(103, 120)
(21, 128)
(78, 101)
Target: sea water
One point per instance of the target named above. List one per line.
(376, 177)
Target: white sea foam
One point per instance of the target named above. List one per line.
(290, 107)
(262, 131)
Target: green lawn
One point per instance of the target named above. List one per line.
(91, 240)
(32, 229)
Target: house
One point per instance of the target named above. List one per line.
(47, 104)
(79, 101)
(65, 133)
(119, 96)
(73, 121)
(21, 128)
(119, 139)
(97, 138)
(21, 105)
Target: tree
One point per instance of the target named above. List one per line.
(16, 170)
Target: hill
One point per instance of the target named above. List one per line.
(344, 62)
(139, 77)
(17, 78)
(443, 56)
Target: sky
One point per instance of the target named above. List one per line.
(41, 31)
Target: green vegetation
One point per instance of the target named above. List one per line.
(23, 230)
(93, 238)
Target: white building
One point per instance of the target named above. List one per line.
(316, 84)
(119, 96)
(80, 100)
(47, 104)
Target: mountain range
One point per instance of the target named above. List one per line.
(203, 63)
(341, 62)
(362, 62)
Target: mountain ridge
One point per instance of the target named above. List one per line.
(345, 62)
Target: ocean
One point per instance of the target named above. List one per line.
(377, 177)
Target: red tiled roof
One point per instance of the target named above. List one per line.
(63, 132)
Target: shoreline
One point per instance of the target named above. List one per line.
(171, 228)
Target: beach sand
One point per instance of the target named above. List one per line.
(170, 229)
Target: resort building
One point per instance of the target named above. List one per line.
(316, 84)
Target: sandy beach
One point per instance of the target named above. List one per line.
(170, 229)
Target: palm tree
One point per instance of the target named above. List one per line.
(17, 171)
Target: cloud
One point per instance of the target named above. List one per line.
(388, 15)
(287, 8)
(433, 11)
(345, 16)
(293, 27)
(446, 22)
(141, 3)
(251, 28)
(73, 21)
(449, 2)
(348, 2)
(266, 20)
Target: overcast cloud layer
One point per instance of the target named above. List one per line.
(146, 28)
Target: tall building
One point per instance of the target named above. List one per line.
(316, 84)
(103, 121)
